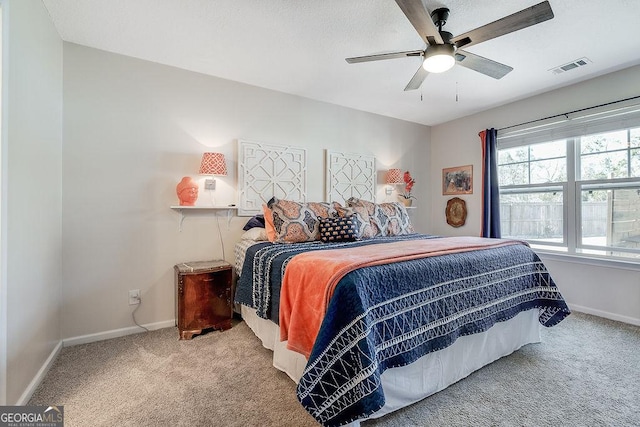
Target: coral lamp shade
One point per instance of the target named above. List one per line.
(394, 176)
(213, 164)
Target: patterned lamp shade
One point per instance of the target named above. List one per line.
(213, 164)
(394, 176)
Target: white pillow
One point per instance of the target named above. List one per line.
(255, 233)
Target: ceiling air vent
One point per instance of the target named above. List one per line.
(571, 66)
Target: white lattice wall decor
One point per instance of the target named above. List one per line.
(350, 175)
(267, 170)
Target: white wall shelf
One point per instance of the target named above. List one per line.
(185, 209)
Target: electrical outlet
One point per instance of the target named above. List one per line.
(209, 184)
(134, 296)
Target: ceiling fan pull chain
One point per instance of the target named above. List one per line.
(456, 91)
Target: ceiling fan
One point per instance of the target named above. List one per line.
(444, 50)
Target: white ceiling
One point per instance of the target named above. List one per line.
(299, 47)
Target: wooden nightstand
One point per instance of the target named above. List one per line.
(203, 297)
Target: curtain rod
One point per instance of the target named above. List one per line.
(569, 112)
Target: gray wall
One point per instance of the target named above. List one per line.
(606, 290)
(31, 192)
(133, 128)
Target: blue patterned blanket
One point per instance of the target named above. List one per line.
(391, 315)
(259, 284)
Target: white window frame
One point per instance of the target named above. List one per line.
(625, 115)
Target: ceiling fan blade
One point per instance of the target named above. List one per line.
(421, 20)
(482, 65)
(525, 18)
(384, 56)
(417, 79)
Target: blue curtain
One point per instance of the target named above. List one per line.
(490, 193)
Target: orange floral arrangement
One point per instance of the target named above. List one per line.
(408, 185)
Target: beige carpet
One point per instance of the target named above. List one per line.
(585, 373)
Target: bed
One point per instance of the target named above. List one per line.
(373, 317)
(437, 319)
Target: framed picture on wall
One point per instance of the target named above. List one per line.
(457, 180)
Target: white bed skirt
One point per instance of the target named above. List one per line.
(431, 373)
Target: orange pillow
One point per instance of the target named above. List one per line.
(268, 223)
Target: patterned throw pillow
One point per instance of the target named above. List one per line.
(387, 219)
(367, 210)
(393, 218)
(339, 229)
(296, 221)
(360, 216)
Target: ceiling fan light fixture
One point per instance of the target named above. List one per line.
(439, 58)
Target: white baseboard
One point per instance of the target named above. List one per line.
(35, 382)
(115, 333)
(84, 339)
(605, 314)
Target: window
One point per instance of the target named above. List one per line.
(579, 195)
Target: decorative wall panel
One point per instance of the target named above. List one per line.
(350, 175)
(267, 170)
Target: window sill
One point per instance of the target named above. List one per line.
(617, 263)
